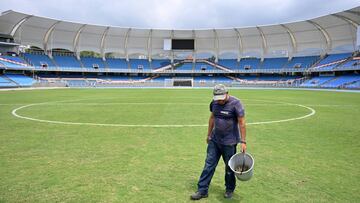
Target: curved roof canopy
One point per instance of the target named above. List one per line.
(334, 33)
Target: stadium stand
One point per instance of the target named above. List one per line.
(274, 63)
(92, 62)
(317, 81)
(20, 80)
(302, 62)
(338, 65)
(160, 79)
(117, 63)
(203, 67)
(269, 78)
(39, 59)
(353, 63)
(5, 82)
(139, 64)
(249, 63)
(214, 79)
(355, 85)
(229, 63)
(341, 81)
(331, 61)
(333, 58)
(13, 62)
(185, 67)
(158, 63)
(67, 62)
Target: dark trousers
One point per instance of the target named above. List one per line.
(214, 151)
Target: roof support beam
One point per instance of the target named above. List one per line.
(172, 51)
(240, 44)
(216, 47)
(292, 40)
(126, 44)
(102, 43)
(76, 41)
(47, 36)
(353, 12)
(263, 44)
(149, 45)
(194, 51)
(19, 24)
(351, 22)
(325, 34)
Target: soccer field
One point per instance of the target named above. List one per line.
(148, 145)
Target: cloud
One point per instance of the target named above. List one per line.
(179, 14)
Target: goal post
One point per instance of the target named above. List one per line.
(179, 82)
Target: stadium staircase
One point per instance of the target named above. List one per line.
(24, 59)
(106, 66)
(81, 63)
(216, 65)
(330, 62)
(342, 63)
(318, 61)
(167, 67)
(2, 59)
(7, 82)
(327, 82)
(336, 63)
(11, 81)
(235, 78)
(286, 64)
(53, 61)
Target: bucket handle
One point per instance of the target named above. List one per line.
(243, 164)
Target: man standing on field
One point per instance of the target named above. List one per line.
(227, 116)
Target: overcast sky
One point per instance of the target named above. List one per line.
(179, 14)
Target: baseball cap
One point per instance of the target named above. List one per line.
(220, 92)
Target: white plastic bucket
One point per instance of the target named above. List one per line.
(241, 159)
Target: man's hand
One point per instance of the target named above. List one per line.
(208, 138)
(243, 147)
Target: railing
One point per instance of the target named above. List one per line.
(79, 82)
(126, 70)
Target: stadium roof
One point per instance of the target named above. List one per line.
(332, 33)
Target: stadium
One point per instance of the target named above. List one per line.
(94, 113)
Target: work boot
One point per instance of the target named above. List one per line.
(198, 195)
(228, 194)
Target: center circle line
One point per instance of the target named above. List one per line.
(14, 113)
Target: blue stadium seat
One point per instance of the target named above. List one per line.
(341, 81)
(139, 64)
(117, 63)
(229, 63)
(317, 81)
(13, 62)
(39, 59)
(67, 62)
(302, 62)
(185, 67)
(6, 82)
(274, 63)
(203, 67)
(92, 62)
(21, 80)
(250, 63)
(333, 58)
(158, 63)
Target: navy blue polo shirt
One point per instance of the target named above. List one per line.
(226, 128)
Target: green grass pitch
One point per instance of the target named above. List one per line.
(314, 159)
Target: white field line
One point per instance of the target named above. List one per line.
(14, 113)
(174, 103)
